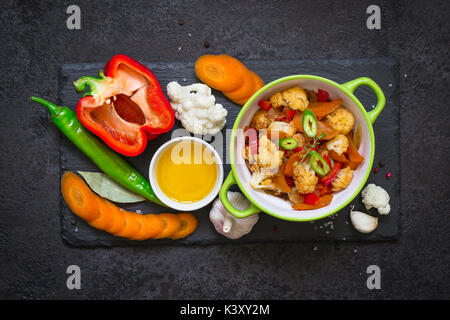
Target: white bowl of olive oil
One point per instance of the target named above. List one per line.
(186, 173)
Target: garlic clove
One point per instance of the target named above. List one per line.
(363, 222)
(227, 224)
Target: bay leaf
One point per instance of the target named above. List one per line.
(107, 188)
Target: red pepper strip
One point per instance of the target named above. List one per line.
(322, 96)
(265, 105)
(125, 107)
(333, 173)
(327, 159)
(311, 198)
(299, 149)
(324, 201)
(289, 114)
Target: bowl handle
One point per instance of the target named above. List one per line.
(229, 181)
(381, 100)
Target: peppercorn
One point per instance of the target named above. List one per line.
(388, 175)
(382, 164)
(206, 44)
(375, 170)
(181, 22)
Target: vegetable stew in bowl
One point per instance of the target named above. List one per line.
(302, 147)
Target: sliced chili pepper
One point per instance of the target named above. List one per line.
(265, 105)
(311, 198)
(289, 143)
(318, 164)
(309, 123)
(322, 96)
(333, 173)
(125, 107)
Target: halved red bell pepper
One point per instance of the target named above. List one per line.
(125, 107)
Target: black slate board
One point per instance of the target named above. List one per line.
(335, 228)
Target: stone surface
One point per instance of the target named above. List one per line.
(35, 42)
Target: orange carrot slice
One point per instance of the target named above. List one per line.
(289, 167)
(106, 219)
(221, 72)
(133, 226)
(338, 157)
(252, 84)
(172, 224)
(322, 109)
(188, 225)
(152, 225)
(79, 198)
(323, 202)
(280, 182)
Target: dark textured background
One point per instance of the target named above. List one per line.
(35, 42)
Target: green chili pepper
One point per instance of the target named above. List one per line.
(105, 158)
(309, 123)
(318, 163)
(288, 143)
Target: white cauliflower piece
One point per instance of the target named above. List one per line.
(374, 196)
(304, 178)
(260, 120)
(283, 129)
(196, 108)
(295, 98)
(261, 180)
(339, 144)
(343, 179)
(269, 156)
(341, 120)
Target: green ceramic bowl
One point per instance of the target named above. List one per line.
(276, 206)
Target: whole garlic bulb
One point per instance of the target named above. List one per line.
(363, 222)
(227, 224)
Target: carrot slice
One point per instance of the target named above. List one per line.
(289, 167)
(120, 221)
(244, 91)
(133, 226)
(322, 109)
(221, 72)
(188, 225)
(152, 225)
(106, 219)
(280, 182)
(172, 224)
(257, 82)
(79, 198)
(323, 202)
(341, 158)
(353, 153)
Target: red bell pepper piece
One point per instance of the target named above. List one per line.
(322, 96)
(125, 107)
(327, 159)
(265, 105)
(299, 149)
(311, 198)
(333, 173)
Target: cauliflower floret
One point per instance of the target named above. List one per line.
(277, 100)
(296, 98)
(269, 157)
(343, 179)
(260, 120)
(283, 129)
(339, 144)
(305, 179)
(300, 139)
(341, 120)
(376, 197)
(196, 108)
